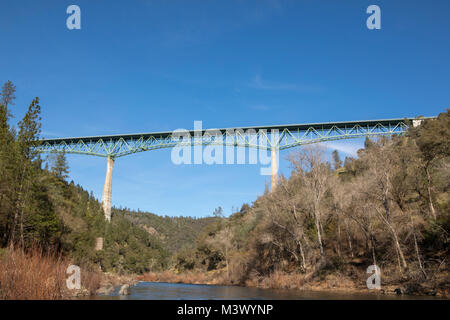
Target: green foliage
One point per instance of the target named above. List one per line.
(7, 97)
(60, 167)
(130, 248)
(38, 206)
(432, 137)
(175, 233)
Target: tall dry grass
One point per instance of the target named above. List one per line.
(192, 277)
(38, 275)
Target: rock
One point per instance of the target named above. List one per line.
(432, 292)
(105, 289)
(124, 290)
(133, 282)
(83, 292)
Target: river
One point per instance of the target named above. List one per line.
(180, 291)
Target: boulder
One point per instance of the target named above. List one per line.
(83, 292)
(124, 290)
(105, 289)
(398, 291)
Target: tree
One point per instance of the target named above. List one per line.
(315, 172)
(29, 130)
(336, 160)
(60, 167)
(218, 212)
(368, 143)
(28, 135)
(222, 242)
(7, 96)
(378, 190)
(433, 139)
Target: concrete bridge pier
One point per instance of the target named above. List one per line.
(107, 189)
(274, 169)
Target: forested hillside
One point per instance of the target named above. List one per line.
(175, 232)
(329, 221)
(39, 208)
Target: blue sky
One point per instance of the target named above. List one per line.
(142, 66)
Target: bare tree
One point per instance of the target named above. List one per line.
(379, 188)
(315, 173)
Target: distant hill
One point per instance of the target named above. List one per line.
(174, 232)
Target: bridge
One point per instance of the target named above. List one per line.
(270, 138)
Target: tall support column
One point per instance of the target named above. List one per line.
(107, 189)
(274, 168)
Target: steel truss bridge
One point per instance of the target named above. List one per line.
(271, 138)
(266, 137)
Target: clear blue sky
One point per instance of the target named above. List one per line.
(142, 66)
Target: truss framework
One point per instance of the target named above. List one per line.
(267, 138)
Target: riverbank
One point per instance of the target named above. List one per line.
(331, 282)
(38, 275)
(34, 274)
(110, 281)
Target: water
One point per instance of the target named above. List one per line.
(179, 291)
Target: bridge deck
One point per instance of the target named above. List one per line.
(290, 127)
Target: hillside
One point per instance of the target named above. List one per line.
(329, 221)
(39, 208)
(174, 232)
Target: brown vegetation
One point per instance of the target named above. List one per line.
(193, 277)
(35, 274)
(325, 224)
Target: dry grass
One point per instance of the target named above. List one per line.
(185, 277)
(37, 275)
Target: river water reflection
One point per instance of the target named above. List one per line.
(180, 291)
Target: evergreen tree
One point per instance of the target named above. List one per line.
(7, 96)
(29, 130)
(60, 167)
(336, 160)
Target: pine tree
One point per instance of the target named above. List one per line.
(8, 165)
(25, 177)
(336, 160)
(30, 129)
(60, 167)
(7, 96)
